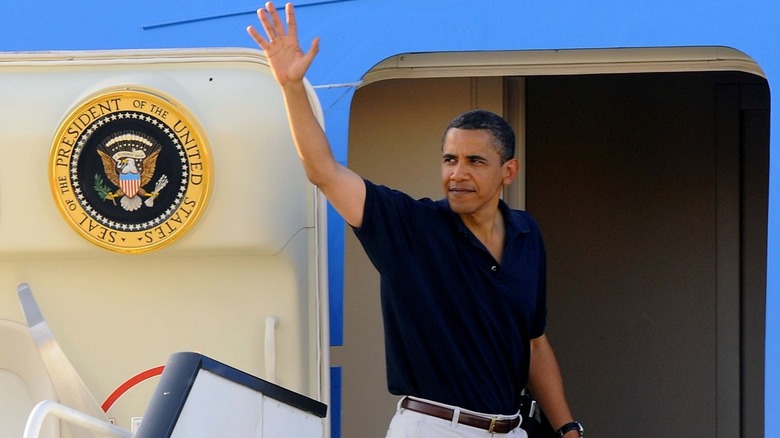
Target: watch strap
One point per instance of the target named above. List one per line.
(568, 427)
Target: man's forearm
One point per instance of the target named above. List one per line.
(308, 136)
(344, 188)
(546, 383)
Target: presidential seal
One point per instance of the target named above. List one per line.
(130, 170)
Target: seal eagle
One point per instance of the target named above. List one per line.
(129, 161)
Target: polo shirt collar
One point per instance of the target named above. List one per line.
(515, 223)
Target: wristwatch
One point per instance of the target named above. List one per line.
(568, 427)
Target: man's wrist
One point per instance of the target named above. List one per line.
(294, 89)
(570, 430)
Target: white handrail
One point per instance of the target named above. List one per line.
(47, 407)
(270, 348)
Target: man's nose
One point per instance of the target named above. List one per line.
(459, 172)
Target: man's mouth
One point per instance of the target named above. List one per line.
(461, 190)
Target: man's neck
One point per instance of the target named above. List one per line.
(489, 228)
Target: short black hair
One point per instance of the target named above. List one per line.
(503, 135)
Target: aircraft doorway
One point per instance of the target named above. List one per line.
(651, 189)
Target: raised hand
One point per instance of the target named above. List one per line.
(288, 62)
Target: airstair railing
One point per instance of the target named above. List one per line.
(47, 407)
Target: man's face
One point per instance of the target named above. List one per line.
(471, 171)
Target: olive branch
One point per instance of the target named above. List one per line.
(100, 187)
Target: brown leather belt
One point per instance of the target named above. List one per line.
(491, 425)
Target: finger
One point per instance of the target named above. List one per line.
(262, 14)
(262, 42)
(292, 27)
(278, 28)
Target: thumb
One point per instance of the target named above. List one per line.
(313, 50)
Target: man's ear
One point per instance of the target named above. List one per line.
(511, 168)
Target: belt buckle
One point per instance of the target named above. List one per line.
(492, 424)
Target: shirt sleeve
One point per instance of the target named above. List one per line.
(540, 316)
(387, 214)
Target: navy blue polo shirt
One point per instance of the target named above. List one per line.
(457, 323)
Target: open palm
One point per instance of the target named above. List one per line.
(288, 62)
